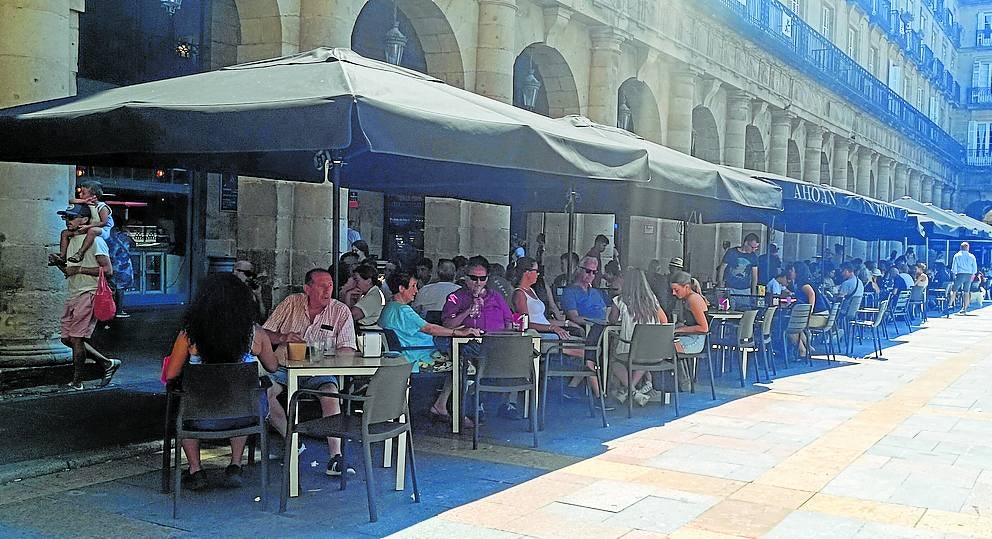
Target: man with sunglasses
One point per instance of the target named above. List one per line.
(245, 271)
(585, 305)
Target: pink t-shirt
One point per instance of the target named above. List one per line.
(291, 316)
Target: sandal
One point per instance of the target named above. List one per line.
(108, 373)
(76, 258)
(55, 260)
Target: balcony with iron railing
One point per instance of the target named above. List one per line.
(983, 37)
(979, 97)
(979, 157)
(771, 24)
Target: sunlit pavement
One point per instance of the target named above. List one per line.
(896, 448)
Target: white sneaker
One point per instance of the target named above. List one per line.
(621, 395)
(641, 398)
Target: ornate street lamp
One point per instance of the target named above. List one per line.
(530, 86)
(171, 5)
(623, 114)
(395, 41)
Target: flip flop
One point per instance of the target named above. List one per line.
(109, 372)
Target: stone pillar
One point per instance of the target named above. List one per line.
(948, 198)
(453, 227)
(915, 185)
(862, 185)
(494, 56)
(327, 24)
(842, 153)
(882, 191)
(926, 189)
(738, 113)
(31, 294)
(900, 185)
(937, 197)
(604, 73)
(778, 143)
(683, 90)
(806, 244)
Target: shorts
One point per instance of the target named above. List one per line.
(77, 317)
(962, 283)
(310, 382)
(692, 343)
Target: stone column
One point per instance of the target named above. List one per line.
(31, 294)
(937, 197)
(604, 73)
(327, 24)
(806, 244)
(778, 143)
(926, 189)
(738, 112)
(842, 152)
(900, 185)
(915, 185)
(948, 198)
(683, 88)
(494, 56)
(862, 185)
(882, 191)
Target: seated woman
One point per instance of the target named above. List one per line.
(691, 325)
(525, 300)
(363, 296)
(636, 304)
(414, 332)
(219, 327)
(806, 293)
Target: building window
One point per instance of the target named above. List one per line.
(873, 61)
(853, 43)
(895, 78)
(827, 21)
(981, 74)
(920, 98)
(797, 7)
(979, 143)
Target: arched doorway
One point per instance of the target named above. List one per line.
(431, 46)
(557, 94)
(705, 136)
(794, 161)
(754, 149)
(824, 169)
(260, 39)
(641, 113)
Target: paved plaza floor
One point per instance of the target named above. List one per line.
(856, 448)
(899, 448)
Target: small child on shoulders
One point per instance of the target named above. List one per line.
(89, 192)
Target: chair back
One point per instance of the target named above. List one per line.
(507, 356)
(880, 315)
(392, 341)
(652, 343)
(799, 318)
(433, 317)
(902, 301)
(918, 294)
(767, 321)
(853, 305)
(220, 391)
(388, 386)
(745, 335)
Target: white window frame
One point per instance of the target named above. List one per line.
(853, 43)
(828, 20)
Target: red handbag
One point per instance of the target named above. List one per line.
(104, 307)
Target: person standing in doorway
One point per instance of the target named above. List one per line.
(964, 267)
(739, 271)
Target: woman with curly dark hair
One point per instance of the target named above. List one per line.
(219, 327)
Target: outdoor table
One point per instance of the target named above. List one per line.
(344, 363)
(456, 374)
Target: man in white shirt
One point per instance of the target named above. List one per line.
(432, 296)
(964, 267)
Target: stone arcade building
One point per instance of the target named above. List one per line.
(850, 93)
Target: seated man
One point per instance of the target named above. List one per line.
(584, 305)
(432, 297)
(311, 316)
(414, 332)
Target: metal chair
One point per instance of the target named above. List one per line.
(556, 352)
(828, 331)
(767, 322)
(384, 409)
(227, 391)
(900, 309)
(695, 357)
(918, 303)
(848, 313)
(798, 322)
(873, 325)
(652, 349)
(510, 358)
(747, 343)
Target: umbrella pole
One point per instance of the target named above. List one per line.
(570, 207)
(768, 244)
(927, 247)
(684, 232)
(335, 178)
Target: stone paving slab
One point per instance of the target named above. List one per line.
(869, 449)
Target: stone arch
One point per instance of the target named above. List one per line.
(705, 135)
(794, 161)
(851, 179)
(558, 95)
(431, 44)
(645, 120)
(754, 149)
(824, 169)
(265, 30)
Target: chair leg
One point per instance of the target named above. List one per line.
(602, 398)
(743, 365)
(344, 459)
(176, 479)
(287, 455)
(264, 443)
(370, 479)
(709, 362)
(167, 445)
(630, 391)
(475, 417)
(675, 390)
(413, 463)
(544, 393)
(252, 442)
(533, 415)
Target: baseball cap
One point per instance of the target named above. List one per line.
(75, 210)
(676, 263)
(773, 246)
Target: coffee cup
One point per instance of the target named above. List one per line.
(296, 351)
